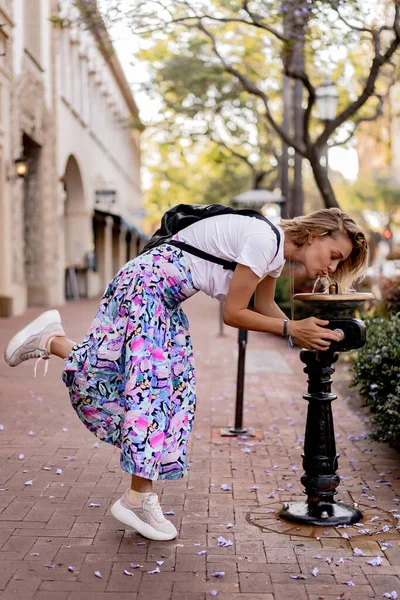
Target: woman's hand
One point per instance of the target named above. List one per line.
(309, 334)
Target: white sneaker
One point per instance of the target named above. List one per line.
(33, 340)
(146, 517)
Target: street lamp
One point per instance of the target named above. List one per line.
(326, 100)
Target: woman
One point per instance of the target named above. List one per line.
(132, 380)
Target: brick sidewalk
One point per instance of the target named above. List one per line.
(49, 526)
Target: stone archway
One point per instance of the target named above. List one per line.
(78, 236)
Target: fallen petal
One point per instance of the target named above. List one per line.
(223, 542)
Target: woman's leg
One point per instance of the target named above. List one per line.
(140, 485)
(61, 346)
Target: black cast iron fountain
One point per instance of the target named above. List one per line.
(320, 460)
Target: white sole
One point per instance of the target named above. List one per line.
(37, 325)
(127, 517)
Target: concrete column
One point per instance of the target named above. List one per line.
(107, 249)
(7, 303)
(122, 245)
(132, 247)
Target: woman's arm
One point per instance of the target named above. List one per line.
(243, 284)
(264, 301)
(307, 332)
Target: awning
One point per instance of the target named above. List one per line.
(121, 221)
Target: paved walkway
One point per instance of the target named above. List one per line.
(57, 484)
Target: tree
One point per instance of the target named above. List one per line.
(202, 102)
(310, 35)
(201, 176)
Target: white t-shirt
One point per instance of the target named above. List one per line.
(246, 240)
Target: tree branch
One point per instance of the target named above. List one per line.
(378, 61)
(257, 21)
(220, 142)
(378, 113)
(251, 88)
(349, 25)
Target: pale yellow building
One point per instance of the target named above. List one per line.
(66, 108)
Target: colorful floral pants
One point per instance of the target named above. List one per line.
(132, 380)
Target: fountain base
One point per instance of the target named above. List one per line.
(325, 514)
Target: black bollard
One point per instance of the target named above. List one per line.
(221, 319)
(242, 344)
(320, 460)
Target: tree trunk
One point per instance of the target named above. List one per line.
(284, 162)
(294, 25)
(298, 194)
(322, 180)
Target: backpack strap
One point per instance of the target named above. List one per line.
(226, 264)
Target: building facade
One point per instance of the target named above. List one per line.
(67, 109)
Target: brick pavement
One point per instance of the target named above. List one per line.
(49, 526)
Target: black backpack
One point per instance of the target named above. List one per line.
(183, 215)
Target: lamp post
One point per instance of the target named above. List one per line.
(326, 100)
(268, 203)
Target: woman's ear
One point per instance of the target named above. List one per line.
(311, 238)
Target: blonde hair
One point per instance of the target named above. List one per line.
(333, 222)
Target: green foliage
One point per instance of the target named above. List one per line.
(198, 176)
(216, 67)
(390, 303)
(369, 194)
(377, 376)
(283, 294)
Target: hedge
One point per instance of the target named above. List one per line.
(377, 376)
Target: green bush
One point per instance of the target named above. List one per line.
(390, 288)
(377, 376)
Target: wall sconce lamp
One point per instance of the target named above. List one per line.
(20, 169)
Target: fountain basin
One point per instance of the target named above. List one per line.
(326, 306)
(339, 310)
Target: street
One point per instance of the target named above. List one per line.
(58, 540)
